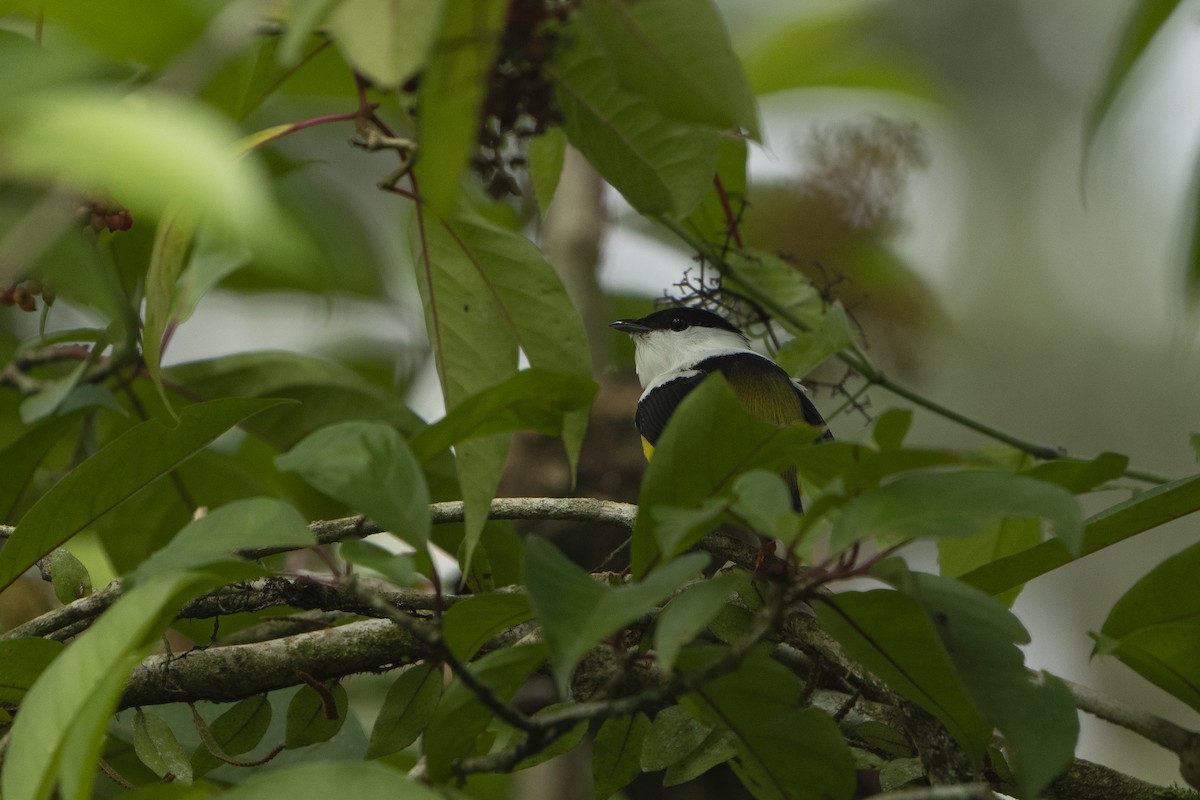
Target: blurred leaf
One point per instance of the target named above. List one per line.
(461, 717)
(616, 753)
(891, 427)
(563, 744)
(1116, 523)
(660, 165)
(547, 153)
(765, 503)
(369, 467)
(576, 611)
(684, 746)
(20, 459)
(531, 400)
(1144, 22)
(153, 36)
(678, 56)
(688, 614)
(69, 705)
(133, 151)
(387, 40)
(407, 709)
(486, 291)
(1001, 538)
(722, 208)
(472, 621)
(806, 352)
(1035, 713)
(172, 241)
(889, 633)
(399, 568)
(120, 469)
(217, 537)
(1154, 628)
(46, 402)
(935, 505)
(1079, 477)
(21, 662)
(236, 731)
(303, 18)
(310, 718)
(453, 87)
(783, 750)
(332, 779)
(708, 442)
(158, 749)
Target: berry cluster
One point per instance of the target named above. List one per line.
(100, 214)
(22, 295)
(520, 98)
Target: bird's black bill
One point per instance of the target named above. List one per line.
(629, 326)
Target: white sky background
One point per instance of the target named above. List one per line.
(1070, 327)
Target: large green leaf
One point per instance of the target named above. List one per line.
(488, 291)
(784, 751)
(678, 56)
(1035, 713)
(942, 504)
(890, 634)
(369, 467)
(689, 613)
(472, 621)
(616, 752)
(576, 611)
(21, 662)
(126, 465)
(385, 40)
(237, 730)
(406, 710)
(450, 99)
(218, 535)
(708, 442)
(660, 165)
(332, 779)
(63, 717)
(1142, 512)
(1154, 628)
(20, 458)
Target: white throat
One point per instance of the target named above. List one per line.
(665, 354)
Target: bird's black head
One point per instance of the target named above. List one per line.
(675, 319)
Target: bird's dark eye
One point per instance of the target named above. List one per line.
(678, 324)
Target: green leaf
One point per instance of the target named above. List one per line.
(120, 469)
(678, 56)
(890, 634)
(1144, 22)
(407, 709)
(616, 753)
(708, 442)
(486, 292)
(453, 87)
(959, 556)
(763, 500)
(722, 208)
(21, 662)
(310, 718)
(47, 401)
(562, 744)
(303, 18)
(891, 427)
(461, 717)
(784, 751)
(472, 621)
(1035, 714)
(684, 746)
(157, 748)
(236, 731)
(69, 705)
(1079, 477)
(369, 467)
(69, 576)
(660, 165)
(332, 779)
(547, 154)
(172, 242)
(576, 612)
(805, 353)
(385, 40)
(1116, 523)
(20, 458)
(217, 537)
(399, 568)
(1154, 628)
(532, 400)
(935, 505)
(689, 613)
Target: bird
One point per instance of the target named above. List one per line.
(677, 348)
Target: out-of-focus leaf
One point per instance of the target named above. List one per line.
(303, 19)
(547, 154)
(69, 705)
(406, 710)
(46, 402)
(1142, 512)
(1002, 538)
(172, 241)
(332, 779)
(123, 467)
(1154, 628)
(21, 661)
(217, 536)
(576, 612)
(1079, 477)
(661, 166)
(310, 717)
(399, 568)
(805, 353)
(936, 505)
(20, 458)
(679, 57)
(453, 87)
(616, 752)
(368, 466)
(472, 621)
(386, 40)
